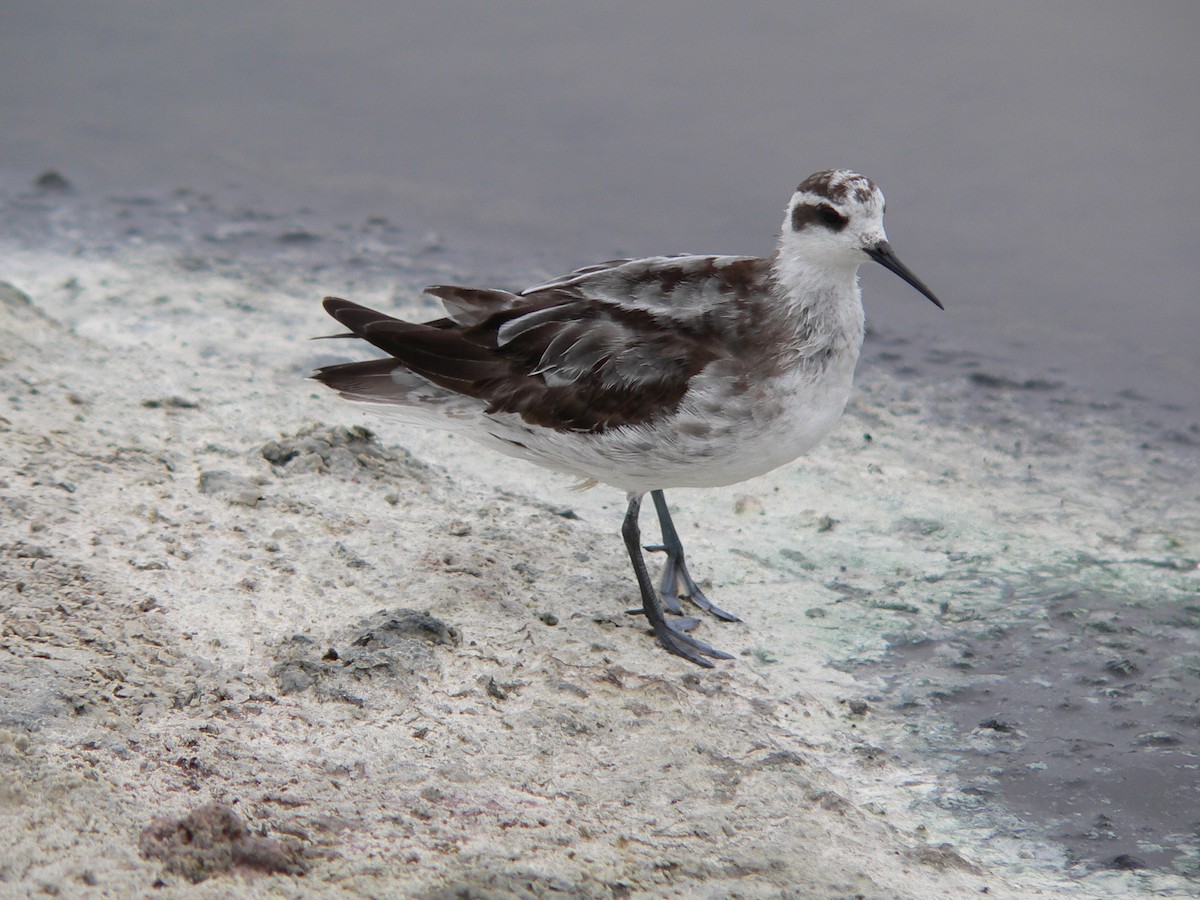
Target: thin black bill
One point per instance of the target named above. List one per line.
(883, 254)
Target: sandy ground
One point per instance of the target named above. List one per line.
(250, 649)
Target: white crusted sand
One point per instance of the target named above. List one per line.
(170, 597)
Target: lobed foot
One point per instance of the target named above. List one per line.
(677, 582)
(682, 644)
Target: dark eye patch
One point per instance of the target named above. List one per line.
(805, 214)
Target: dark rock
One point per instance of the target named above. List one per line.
(213, 840)
(51, 181)
(1127, 862)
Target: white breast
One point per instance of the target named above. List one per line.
(715, 438)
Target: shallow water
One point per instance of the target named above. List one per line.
(1073, 704)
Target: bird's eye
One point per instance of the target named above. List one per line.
(830, 217)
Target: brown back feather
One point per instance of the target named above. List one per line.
(584, 364)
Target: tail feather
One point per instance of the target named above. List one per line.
(471, 306)
(368, 324)
(371, 380)
(391, 386)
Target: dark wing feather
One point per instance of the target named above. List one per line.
(439, 354)
(369, 381)
(353, 315)
(606, 346)
(680, 286)
(590, 366)
(470, 306)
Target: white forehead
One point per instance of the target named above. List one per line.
(842, 189)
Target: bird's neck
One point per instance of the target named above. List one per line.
(823, 303)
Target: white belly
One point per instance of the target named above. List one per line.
(716, 437)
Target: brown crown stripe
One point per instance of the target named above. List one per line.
(836, 186)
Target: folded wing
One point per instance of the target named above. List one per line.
(604, 347)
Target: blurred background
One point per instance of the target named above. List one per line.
(1039, 159)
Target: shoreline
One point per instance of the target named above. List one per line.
(195, 529)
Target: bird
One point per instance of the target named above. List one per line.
(647, 374)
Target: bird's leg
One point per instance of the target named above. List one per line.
(676, 582)
(670, 637)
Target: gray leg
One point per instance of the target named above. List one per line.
(674, 640)
(676, 582)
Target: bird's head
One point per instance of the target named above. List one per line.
(835, 220)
